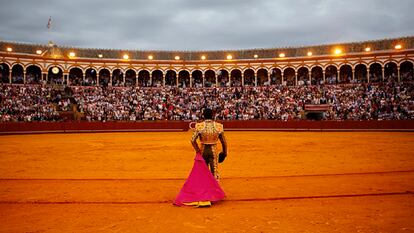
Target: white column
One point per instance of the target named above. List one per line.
(176, 79)
(268, 75)
(151, 84)
(255, 79)
(353, 74)
(296, 78)
(398, 74)
(324, 76)
(337, 76)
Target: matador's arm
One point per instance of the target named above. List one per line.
(223, 142)
(194, 141)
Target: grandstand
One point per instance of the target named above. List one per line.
(370, 61)
(370, 80)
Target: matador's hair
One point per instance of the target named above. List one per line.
(208, 114)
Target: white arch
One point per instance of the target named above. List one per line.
(17, 64)
(118, 68)
(304, 67)
(91, 67)
(288, 67)
(155, 69)
(262, 68)
(184, 70)
(362, 64)
(7, 63)
(131, 68)
(170, 69)
(345, 64)
(160, 70)
(234, 69)
(373, 62)
(223, 68)
(197, 69)
(353, 65)
(406, 60)
(330, 64)
(33, 64)
(209, 69)
(104, 68)
(76, 67)
(143, 69)
(390, 61)
(317, 66)
(173, 70)
(248, 68)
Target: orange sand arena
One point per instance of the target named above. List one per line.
(274, 181)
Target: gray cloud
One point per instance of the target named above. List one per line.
(203, 24)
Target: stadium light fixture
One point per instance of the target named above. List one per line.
(282, 55)
(338, 51)
(203, 57)
(150, 57)
(229, 57)
(310, 53)
(256, 56)
(126, 56)
(367, 49)
(177, 57)
(100, 55)
(398, 46)
(9, 49)
(72, 54)
(38, 52)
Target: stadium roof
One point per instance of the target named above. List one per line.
(56, 51)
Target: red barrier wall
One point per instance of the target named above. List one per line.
(148, 126)
(321, 125)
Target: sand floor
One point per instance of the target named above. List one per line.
(274, 181)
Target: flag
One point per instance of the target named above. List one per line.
(49, 23)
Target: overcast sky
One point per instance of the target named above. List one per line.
(203, 24)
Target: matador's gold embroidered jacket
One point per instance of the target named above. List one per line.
(209, 132)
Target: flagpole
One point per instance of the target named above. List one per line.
(49, 34)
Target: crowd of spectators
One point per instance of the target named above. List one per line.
(28, 103)
(381, 101)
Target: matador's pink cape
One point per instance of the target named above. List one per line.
(200, 185)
